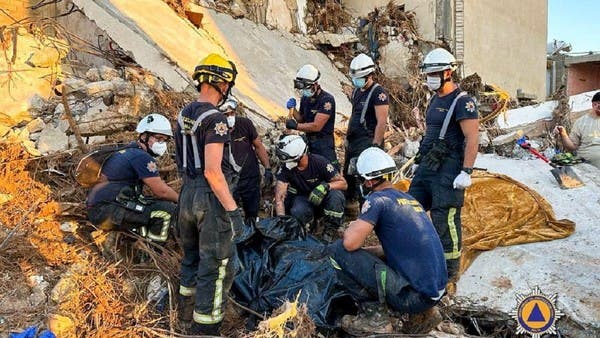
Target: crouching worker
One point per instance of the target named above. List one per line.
(117, 202)
(307, 186)
(414, 277)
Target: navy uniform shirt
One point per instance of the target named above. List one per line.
(243, 134)
(304, 181)
(434, 118)
(378, 98)
(323, 103)
(127, 167)
(213, 129)
(410, 242)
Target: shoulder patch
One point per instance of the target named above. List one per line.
(152, 167)
(221, 128)
(382, 97)
(470, 106)
(327, 106)
(330, 167)
(365, 207)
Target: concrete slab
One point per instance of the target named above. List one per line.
(569, 267)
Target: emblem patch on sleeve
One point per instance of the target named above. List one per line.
(382, 97)
(152, 167)
(330, 167)
(470, 106)
(327, 106)
(221, 129)
(365, 207)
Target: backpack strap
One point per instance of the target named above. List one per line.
(366, 106)
(449, 115)
(191, 133)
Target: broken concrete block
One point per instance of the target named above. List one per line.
(74, 85)
(484, 139)
(506, 138)
(52, 140)
(37, 104)
(93, 75)
(122, 87)
(410, 148)
(99, 88)
(394, 60)
(108, 73)
(335, 40)
(35, 125)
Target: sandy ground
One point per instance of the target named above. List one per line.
(569, 267)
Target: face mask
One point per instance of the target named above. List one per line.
(307, 92)
(230, 121)
(291, 165)
(159, 148)
(434, 82)
(359, 82)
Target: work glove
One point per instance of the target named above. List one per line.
(237, 223)
(291, 124)
(268, 177)
(318, 194)
(291, 103)
(462, 181)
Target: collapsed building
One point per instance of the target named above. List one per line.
(80, 73)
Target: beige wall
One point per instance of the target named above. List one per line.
(505, 43)
(424, 10)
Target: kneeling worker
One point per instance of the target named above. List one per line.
(414, 278)
(308, 185)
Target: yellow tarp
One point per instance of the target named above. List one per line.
(500, 211)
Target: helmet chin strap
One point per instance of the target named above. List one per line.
(224, 95)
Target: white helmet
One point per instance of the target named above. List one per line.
(230, 104)
(307, 76)
(154, 124)
(291, 148)
(438, 60)
(374, 162)
(361, 66)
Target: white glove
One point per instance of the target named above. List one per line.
(462, 181)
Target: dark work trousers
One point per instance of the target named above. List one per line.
(332, 209)
(247, 193)
(379, 280)
(353, 150)
(153, 221)
(324, 146)
(434, 190)
(207, 268)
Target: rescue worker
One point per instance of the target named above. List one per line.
(446, 154)
(307, 186)
(209, 219)
(414, 277)
(316, 116)
(117, 202)
(585, 136)
(370, 105)
(246, 146)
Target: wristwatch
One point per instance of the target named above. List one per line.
(467, 170)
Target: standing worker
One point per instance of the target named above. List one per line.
(446, 154)
(209, 218)
(370, 105)
(414, 277)
(117, 202)
(246, 146)
(316, 116)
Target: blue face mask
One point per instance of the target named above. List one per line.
(359, 82)
(307, 92)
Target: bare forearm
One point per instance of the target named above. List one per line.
(567, 142)
(379, 133)
(338, 185)
(219, 187)
(309, 127)
(262, 155)
(280, 192)
(470, 152)
(296, 115)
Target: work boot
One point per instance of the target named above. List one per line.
(373, 319)
(185, 310)
(198, 329)
(423, 322)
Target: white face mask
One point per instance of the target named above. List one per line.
(230, 121)
(434, 82)
(159, 148)
(291, 165)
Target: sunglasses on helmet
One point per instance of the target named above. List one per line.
(302, 83)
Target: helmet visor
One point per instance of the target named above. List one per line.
(302, 83)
